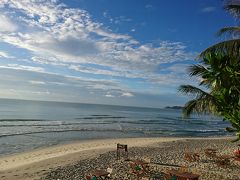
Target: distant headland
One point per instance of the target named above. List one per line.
(173, 107)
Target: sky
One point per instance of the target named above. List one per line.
(119, 52)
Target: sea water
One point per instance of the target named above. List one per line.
(26, 125)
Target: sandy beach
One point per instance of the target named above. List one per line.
(33, 164)
(54, 162)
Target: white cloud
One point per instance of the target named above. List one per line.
(209, 9)
(109, 95)
(37, 82)
(57, 83)
(149, 6)
(116, 20)
(6, 24)
(21, 92)
(127, 94)
(15, 84)
(121, 19)
(67, 37)
(178, 68)
(40, 93)
(22, 67)
(5, 55)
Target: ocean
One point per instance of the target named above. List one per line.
(27, 125)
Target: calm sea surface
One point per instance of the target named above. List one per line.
(26, 125)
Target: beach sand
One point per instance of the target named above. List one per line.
(53, 162)
(31, 165)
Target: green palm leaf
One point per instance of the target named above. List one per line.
(230, 47)
(202, 103)
(189, 108)
(206, 82)
(192, 90)
(196, 92)
(200, 106)
(233, 7)
(233, 31)
(197, 70)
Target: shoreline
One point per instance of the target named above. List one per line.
(33, 164)
(75, 147)
(44, 147)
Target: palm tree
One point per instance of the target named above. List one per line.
(213, 77)
(232, 45)
(219, 70)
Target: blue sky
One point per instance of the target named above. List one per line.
(121, 52)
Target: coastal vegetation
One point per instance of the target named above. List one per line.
(219, 73)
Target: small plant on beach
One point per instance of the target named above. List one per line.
(219, 71)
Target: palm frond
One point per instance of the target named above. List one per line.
(197, 70)
(233, 31)
(207, 83)
(192, 90)
(200, 106)
(202, 103)
(189, 107)
(233, 7)
(230, 47)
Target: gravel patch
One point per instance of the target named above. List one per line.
(171, 153)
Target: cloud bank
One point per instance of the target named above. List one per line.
(69, 39)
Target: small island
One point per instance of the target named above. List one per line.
(173, 107)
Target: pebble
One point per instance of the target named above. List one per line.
(170, 153)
